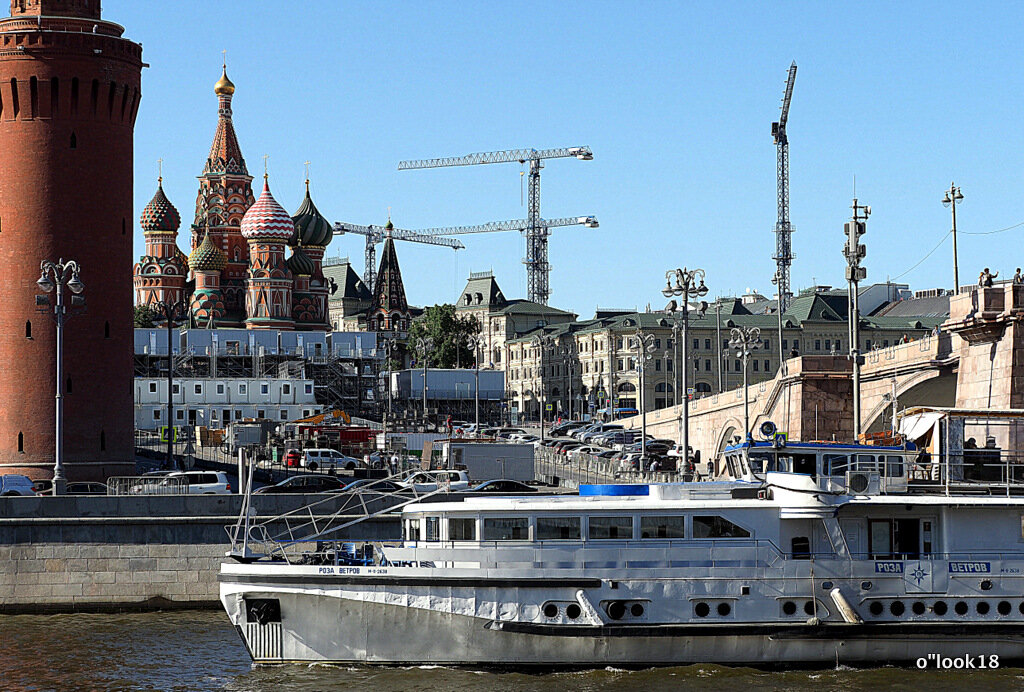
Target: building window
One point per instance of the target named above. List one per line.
(707, 344)
(657, 343)
(243, 389)
(668, 365)
(696, 364)
(839, 345)
(737, 365)
(28, 329)
(885, 344)
(767, 366)
(176, 388)
(214, 415)
(264, 388)
(755, 366)
(309, 388)
(179, 414)
(152, 387)
(227, 416)
(828, 344)
(199, 388)
(867, 345)
(261, 413)
(696, 344)
(220, 387)
(21, 442)
(657, 365)
(707, 364)
(817, 344)
(785, 344)
(286, 389)
(156, 414)
(284, 414)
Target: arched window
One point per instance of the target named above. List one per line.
(663, 387)
(28, 329)
(627, 387)
(703, 388)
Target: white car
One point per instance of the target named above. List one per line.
(16, 484)
(587, 449)
(429, 481)
(324, 459)
(203, 482)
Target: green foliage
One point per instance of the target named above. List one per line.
(143, 317)
(449, 333)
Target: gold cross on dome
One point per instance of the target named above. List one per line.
(265, 158)
(225, 54)
(160, 168)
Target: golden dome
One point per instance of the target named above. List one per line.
(224, 85)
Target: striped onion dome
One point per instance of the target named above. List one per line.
(160, 214)
(207, 257)
(266, 219)
(299, 263)
(311, 228)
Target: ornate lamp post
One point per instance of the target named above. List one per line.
(169, 311)
(951, 199)
(781, 304)
(744, 341)
(685, 287)
(55, 277)
(475, 342)
(542, 343)
(424, 345)
(569, 361)
(644, 352)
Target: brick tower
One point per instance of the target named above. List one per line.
(69, 94)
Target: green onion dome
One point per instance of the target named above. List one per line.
(207, 257)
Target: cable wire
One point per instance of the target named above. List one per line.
(921, 261)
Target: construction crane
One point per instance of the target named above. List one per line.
(513, 225)
(538, 271)
(377, 234)
(783, 228)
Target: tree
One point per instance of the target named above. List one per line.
(143, 317)
(449, 333)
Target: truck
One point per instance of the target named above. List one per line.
(486, 460)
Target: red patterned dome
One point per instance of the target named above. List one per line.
(267, 219)
(160, 214)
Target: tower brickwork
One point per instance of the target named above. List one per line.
(69, 96)
(267, 228)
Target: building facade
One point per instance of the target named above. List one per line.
(69, 94)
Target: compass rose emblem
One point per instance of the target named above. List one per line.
(918, 574)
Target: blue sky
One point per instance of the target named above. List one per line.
(676, 100)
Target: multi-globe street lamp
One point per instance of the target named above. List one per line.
(169, 311)
(952, 198)
(686, 287)
(475, 344)
(542, 343)
(645, 348)
(569, 355)
(744, 341)
(55, 276)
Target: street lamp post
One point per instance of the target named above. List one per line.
(169, 310)
(55, 277)
(424, 345)
(667, 354)
(644, 352)
(474, 342)
(388, 344)
(569, 361)
(745, 340)
(677, 325)
(686, 287)
(951, 199)
(541, 343)
(781, 306)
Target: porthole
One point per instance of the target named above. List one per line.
(809, 607)
(866, 585)
(876, 608)
(636, 610)
(940, 608)
(827, 585)
(960, 608)
(896, 608)
(918, 608)
(982, 607)
(986, 585)
(724, 609)
(702, 610)
(572, 611)
(1021, 608)
(550, 610)
(1004, 607)
(616, 610)
(789, 607)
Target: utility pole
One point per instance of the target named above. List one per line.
(854, 252)
(951, 199)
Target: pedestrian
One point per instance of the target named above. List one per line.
(394, 464)
(985, 278)
(1017, 278)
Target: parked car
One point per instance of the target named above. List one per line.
(306, 483)
(502, 485)
(557, 445)
(508, 432)
(374, 484)
(604, 427)
(16, 484)
(204, 482)
(593, 450)
(321, 459)
(86, 488)
(565, 426)
(429, 481)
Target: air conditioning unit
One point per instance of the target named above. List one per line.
(863, 483)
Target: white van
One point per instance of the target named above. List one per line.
(324, 459)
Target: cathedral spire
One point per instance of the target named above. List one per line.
(389, 309)
(225, 154)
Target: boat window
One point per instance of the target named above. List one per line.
(558, 528)
(894, 466)
(801, 548)
(730, 461)
(760, 462)
(866, 463)
(805, 464)
(835, 464)
(461, 529)
(507, 529)
(662, 527)
(433, 529)
(610, 528)
(717, 527)
(412, 530)
(741, 462)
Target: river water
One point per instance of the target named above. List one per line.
(199, 650)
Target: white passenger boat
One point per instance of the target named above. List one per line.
(819, 554)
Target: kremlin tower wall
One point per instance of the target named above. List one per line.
(69, 95)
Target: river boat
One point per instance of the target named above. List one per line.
(814, 554)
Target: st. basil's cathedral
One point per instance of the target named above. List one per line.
(240, 275)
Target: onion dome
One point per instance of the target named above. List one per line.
(299, 263)
(160, 214)
(207, 257)
(311, 228)
(224, 85)
(267, 219)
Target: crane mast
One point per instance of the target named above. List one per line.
(783, 228)
(376, 234)
(538, 270)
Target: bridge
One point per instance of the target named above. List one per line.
(976, 360)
